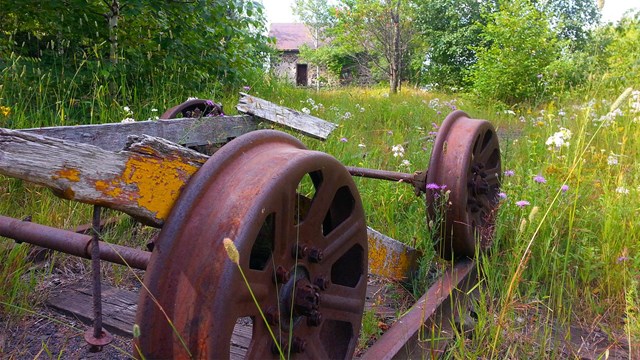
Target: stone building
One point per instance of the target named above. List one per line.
(289, 39)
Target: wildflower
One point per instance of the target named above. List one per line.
(192, 98)
(344, 139)
(306, 110)
(398, 150)
(154, 110)
(622, 190)
(5, 110)
(612, 159)
(362, 146)
(127, 110)
(246, 88)
(564, 188)
(433, 186)
(539, 179)
(509, 173)
(502, 195)
(406, 163)
(522, 203)
(128, 120)
(510, 112)
(346, 116)
(389, 132)
(622, 259)
(561, 113)
(559, 139)
(539, 76)
(232, 251)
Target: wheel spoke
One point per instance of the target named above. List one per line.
(342, 303)
(341, 240)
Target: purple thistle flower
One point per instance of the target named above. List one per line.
(502, 195)
(539, 179)
(438, 112)
(344, 139)
(246, 88)
(433, 186)
(522, 203)
(509, 173)
(564, 188)
(622, 259)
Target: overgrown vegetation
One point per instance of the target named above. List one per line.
(567, 250)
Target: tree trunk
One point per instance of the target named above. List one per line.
(395, 59)
(112, 19)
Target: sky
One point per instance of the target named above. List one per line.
(280, 10)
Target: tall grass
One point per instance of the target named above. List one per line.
(573, 260)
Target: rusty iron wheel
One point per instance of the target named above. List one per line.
(466, 159)
(305, 259)
(194, 108)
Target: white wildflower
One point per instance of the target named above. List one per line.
(154, 110)
(510, 112)
(559, 139)
(612, 159)
(128, 120)
(622, 190)
(362, 146)
(398, 151)
(306, 110)
(127, 110)
(406, 163)
(346, 116)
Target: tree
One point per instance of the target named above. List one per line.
(519, 46)
(380, 28)
(451, 29)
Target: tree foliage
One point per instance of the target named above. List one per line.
(519, 45)
(221, 40)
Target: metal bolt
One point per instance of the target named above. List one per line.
(282, 275)
(315, 255)
(298, 345)
(299, 251)
(321, 282)
(272, 315)
(314, 319)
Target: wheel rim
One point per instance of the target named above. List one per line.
(247, 192)
(466, 159)
(194, 108)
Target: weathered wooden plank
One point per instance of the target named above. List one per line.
(143, 181)
(118, 306)
(391, 258)
(305, 123)
(187, 131)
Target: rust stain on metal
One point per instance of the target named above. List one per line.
(67, 173)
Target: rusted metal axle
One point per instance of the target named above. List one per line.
(71, 243)
(417, 179)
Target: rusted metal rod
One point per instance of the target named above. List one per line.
(417, 179)
(95, 269)
(71, 243)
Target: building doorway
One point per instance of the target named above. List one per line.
(301, 75)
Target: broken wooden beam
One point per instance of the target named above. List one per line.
(188, 132)
(305, 123)
(143, 181)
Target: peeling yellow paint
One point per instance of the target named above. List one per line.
(68, 173)
(151, 182)
(159, 181)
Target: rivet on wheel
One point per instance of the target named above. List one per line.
(298, 345)
(314, 319)
(299, 251)
(321, 282)
(272, 316)
(282, 275)
(315, 255)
